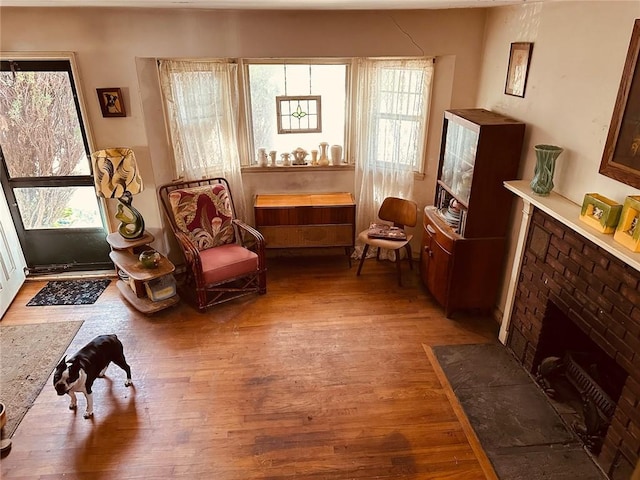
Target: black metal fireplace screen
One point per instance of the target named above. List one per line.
(597, 407)
(574, 371)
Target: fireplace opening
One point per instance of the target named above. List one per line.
(582, 381)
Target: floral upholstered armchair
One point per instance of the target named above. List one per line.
(224, 256)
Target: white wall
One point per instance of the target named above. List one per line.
(578, 57)
(118, 48)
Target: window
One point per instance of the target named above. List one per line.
(293, 104)
(324, 82)
(201, 102)
(399, 115)
(300, 114)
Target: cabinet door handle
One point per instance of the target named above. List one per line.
(431, 230)
(428, 251)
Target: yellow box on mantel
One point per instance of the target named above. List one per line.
(628, 230)
(600, 212)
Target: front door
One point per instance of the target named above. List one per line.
(45, 169)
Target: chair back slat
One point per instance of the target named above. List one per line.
(399, 211)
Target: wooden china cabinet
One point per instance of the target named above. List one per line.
(464, 237)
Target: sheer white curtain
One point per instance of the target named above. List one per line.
(202, 104)
(392, 99)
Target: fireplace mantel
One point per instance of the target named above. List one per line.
(566, 212)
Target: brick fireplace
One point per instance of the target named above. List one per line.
(600, 294)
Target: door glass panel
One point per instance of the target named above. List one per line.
(40, 130)
(58, 207)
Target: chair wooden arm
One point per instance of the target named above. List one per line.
(256, 236)
(257, 243)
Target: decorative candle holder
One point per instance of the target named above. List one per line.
(149, 259)
(600, 212)
(324, 159)
(628, 230)
(262, 157)
(336, 154)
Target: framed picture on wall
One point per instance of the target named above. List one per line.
(621, 155)
(111, 102)
(519, 59)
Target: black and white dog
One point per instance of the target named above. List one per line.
(78, 373)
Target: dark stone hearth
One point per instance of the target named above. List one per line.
(519, 429)
(493, 371)
(545, 464)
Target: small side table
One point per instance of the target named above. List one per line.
(124, 254)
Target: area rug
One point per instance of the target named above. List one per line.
(69, 292)
(522, 434)
(28, 355)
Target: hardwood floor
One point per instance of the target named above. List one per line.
(327, 376)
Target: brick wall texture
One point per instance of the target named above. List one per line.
(601, 295)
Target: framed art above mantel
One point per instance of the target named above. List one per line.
(621, 156)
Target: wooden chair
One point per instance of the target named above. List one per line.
(401, 213)
(225, 257)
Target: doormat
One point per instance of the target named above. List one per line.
(522, 434)
(28, 355)
(69, 292)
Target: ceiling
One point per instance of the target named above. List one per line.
(271, 4)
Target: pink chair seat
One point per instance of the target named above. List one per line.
(227, 261)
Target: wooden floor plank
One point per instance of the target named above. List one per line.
(324, 377)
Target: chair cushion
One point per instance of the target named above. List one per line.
(204, 214)
(363, 237)
(227, 261)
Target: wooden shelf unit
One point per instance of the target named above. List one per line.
(464, 233)
(124, 255)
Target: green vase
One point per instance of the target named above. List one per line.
(542, 182)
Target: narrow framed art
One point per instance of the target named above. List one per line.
(111, 102)
(621, 155)
(518, 71)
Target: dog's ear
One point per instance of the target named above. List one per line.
(63, 363)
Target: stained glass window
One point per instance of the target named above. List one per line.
(299, 114)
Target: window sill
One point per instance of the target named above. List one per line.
(298, 168)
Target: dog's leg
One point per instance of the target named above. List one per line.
(88, 395)
(122, 363)
(103, 371)
(74, 400)
(89, 412)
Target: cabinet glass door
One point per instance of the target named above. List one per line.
(459, 159)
